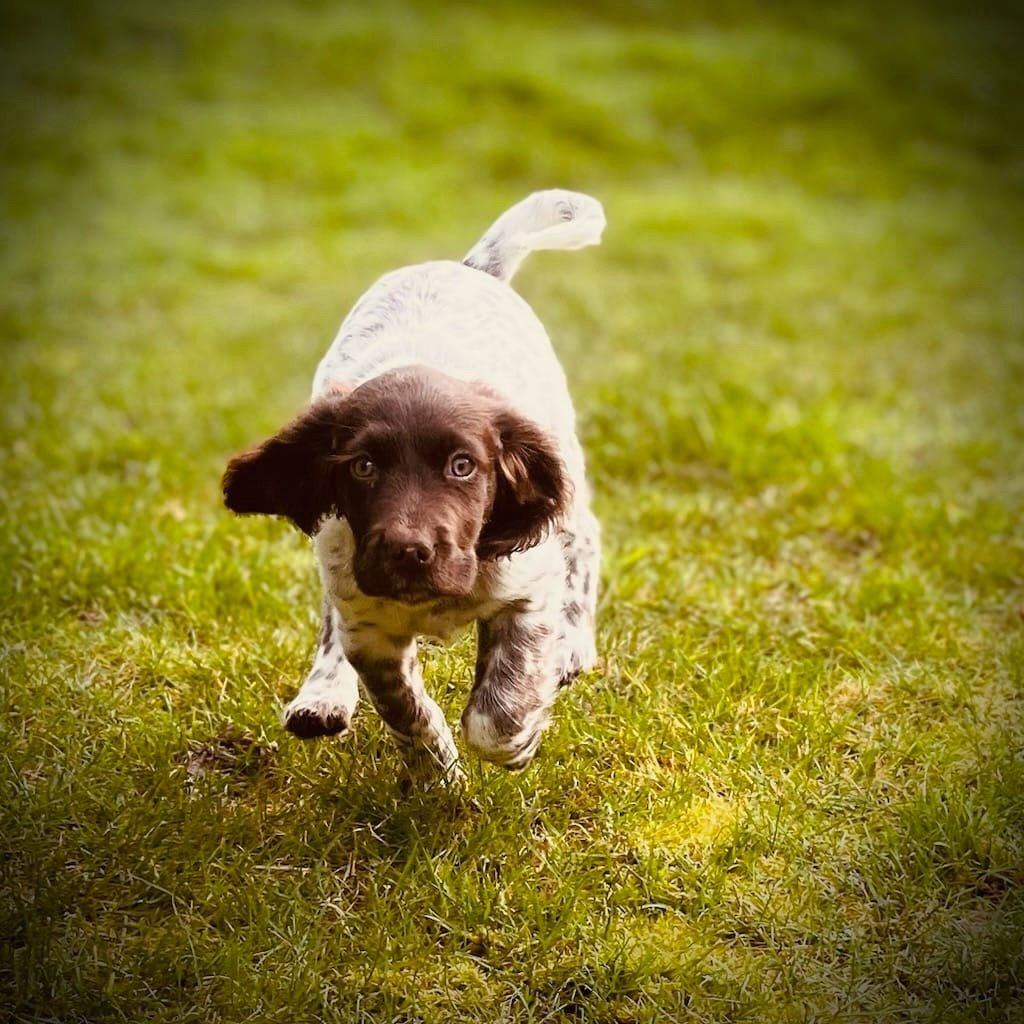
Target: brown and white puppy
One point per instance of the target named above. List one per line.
(438, 471)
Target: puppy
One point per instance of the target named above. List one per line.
(438, 471)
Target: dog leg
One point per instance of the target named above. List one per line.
(390, 673)
(516, 683)
(577, 650)
(327, 699)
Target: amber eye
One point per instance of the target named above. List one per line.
(363, 468)
(461, 465)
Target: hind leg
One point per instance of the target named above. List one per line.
(327, 699)
(576, 646)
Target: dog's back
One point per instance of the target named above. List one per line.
(464, 319)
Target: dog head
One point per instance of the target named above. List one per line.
(432, 474)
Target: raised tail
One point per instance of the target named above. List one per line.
(554, 219)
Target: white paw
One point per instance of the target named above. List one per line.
(322, 707)
(577, 653)
(512, 752)
(308, 721)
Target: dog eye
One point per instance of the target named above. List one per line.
(363, 468)
(461, 466)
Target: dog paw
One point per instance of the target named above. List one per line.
(512, 751)
(421, 771)
(309, 721)
(576, 655)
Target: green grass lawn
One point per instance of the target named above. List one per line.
(795, 790)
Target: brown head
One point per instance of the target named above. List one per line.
(432, 474)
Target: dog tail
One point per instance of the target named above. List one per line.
(555, 219)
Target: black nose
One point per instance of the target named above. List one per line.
(411, 554)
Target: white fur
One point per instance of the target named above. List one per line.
(486, 741)
(554, 219)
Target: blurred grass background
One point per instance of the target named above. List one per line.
(794, 792)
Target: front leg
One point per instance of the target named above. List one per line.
(516, 683)
(390, 673)
(327, 699)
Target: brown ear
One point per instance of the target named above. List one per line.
(533, 490)
(291, 474)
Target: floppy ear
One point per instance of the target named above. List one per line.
(532, 492)
(290, 474)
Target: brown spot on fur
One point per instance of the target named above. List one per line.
(573, 612)
(397, 704)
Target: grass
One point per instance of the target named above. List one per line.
(796, 790)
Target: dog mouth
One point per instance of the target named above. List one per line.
(455, 581)
(392, 590)
(412, 594)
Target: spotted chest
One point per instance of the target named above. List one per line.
(516, 582)
(394, 623)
